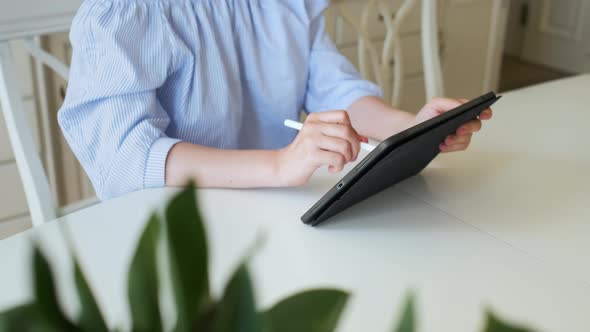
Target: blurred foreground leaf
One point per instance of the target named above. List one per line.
(188, 258)
(237, 309)
(408, 318)
(90, 318)
(47, 304)
(494, 324)
(311, 311)
(142, 285)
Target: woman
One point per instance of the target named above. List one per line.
(165, 91)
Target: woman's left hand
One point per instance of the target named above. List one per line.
(462, 138)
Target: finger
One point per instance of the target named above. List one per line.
(442, 105)
(458, 139)
(340, 117)
(335, 161)
(453, 148)
(311, 117)
(336, 145)
(345, 132)
(487, 114)
(469, 128)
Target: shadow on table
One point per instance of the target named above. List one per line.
(519, 190)
(498, 185)
(390, 209)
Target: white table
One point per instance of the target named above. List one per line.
(505, 226)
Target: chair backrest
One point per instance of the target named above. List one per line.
(41, 198)
(370, 59)
(26, 20)
(41, 203)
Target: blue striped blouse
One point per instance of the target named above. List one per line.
(147, 74)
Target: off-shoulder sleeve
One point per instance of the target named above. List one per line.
(334, 83)
(111, 117)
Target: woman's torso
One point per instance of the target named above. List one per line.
(242, 68)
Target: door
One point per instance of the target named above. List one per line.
(558, 34)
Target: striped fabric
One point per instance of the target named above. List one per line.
(147, 74)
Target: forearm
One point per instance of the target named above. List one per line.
(215, 168)
(374, 118)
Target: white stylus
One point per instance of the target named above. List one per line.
(298, 126)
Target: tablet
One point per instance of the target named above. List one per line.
(397, 158)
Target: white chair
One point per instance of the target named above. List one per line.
(392, 51)
(40, 198)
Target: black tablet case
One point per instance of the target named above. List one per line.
(404, 160)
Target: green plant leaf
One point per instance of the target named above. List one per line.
(237, 309)
(47, 304)
(90, 318)
(494, 324)
(142, 285)
(310, 311)
(188, 258)
(408, 319)
(23, 319)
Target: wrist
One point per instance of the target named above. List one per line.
(277, 168)
(287, 172)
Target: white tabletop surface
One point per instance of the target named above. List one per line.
(505, 226)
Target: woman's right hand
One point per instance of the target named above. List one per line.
(327, 138)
